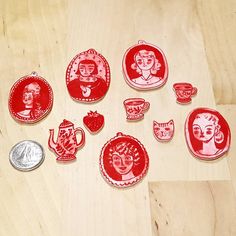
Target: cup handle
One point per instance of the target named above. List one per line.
(146, 106)
(194, 91)
(82, 136)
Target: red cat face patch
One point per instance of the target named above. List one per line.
(164, 131)
(207, 134)
(88, 76)
(30, 99)
(145, 66)
(123, 161)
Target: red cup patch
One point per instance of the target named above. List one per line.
(184, 92)
(135, 108)
(145, 66)
(30, 99)
(207, 134)
(123, 161)
(88, 76)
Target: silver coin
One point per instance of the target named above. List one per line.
(26, 155)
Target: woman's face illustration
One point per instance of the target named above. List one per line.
(122, 163)
(203, 129)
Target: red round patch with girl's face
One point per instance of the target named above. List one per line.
(123, 161)
(207, 134)
(145, 66)
(88, 76)
(30, 99)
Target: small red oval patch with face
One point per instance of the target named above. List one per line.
(30, 99)
(123, 161)
(145, 66)
(207, 134)
(88, 76)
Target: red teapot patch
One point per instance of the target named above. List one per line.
(123, 161)
(145, 66)
(88, 76)
(30, 99)
(66, 145)
(207, 134)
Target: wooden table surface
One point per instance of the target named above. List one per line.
(180, 195)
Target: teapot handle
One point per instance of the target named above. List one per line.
(82, 141)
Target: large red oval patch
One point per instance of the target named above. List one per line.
(88, 76)
(123, 161)
(145, 66)
(207, 134)
(30, 99)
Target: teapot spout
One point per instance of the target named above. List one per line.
(51, 142)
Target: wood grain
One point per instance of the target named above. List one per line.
(74, 199)
(229, 112)
(218, 20)
(193, 208)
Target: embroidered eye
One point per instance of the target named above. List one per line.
(167, 129)
(116, 158)
(128, 160)
(139, 61)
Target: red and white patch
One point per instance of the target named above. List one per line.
(164, 131)
(66, 145)
(94, 121)
(88, 76)
(30, 99)
(135, 108)
(123, 161)
(145, 66)
(207, 134)
(184, 92)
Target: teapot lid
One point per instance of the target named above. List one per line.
(66, 124)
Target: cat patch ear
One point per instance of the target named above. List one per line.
(155, 123)
(171, 122)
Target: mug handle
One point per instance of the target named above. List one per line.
(146, 106)
(82, 141)
(194, 91)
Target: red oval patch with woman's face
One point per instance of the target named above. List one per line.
(207, 134)
(123, 161)
(145, 66)
(30, 99)
(88, 76)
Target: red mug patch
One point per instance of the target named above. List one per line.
(88, 76)
(94, 121)
(164, 131)
(184, 92)
(123, 161)
(135, 108)
(66, 145)
(145, 66)
(207, 134)
(30, 99)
